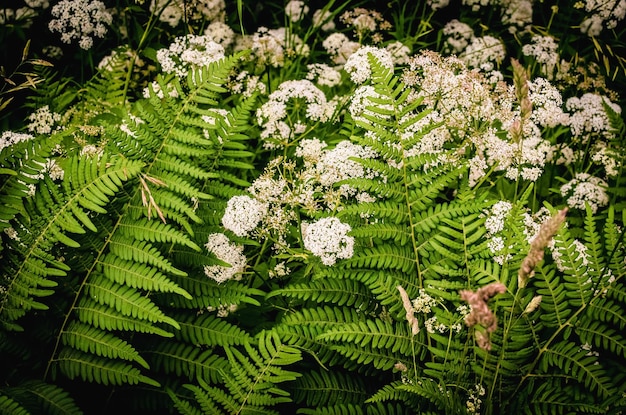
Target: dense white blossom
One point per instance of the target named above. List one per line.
(219, 245)
(243, 214)
(323, 74)
(589, 117)
(8, 138)
(188, 52)
(271, 46)
(340, 47)
(328, 239)
(547, 104)
(458, 35)
(42, 120)
(295, 10)
(219, 32)
(324, 20)
(271, 115)
(585, 189)
(483, 52)
(544, 50)
(602, 13)
(336, 164)
(80, 20)
(358, 65)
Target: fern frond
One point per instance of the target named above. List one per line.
(138, 275)
(88, 367)
(93, 340)
(572, 360)
(188, 360)
(126, 300)
(328, 388)
(102, 316)
(209, 330)
(10, 406)
(337, 409)
(48, 398)
(337, 291)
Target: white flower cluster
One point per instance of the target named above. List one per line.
(474, 401)
(80, 20)
(339, 47)
(484, 52)
(272, 116)
(243, 214)
(8, 138)
(494, 223)
(517, 13)
(324, 20)
(588, 116)
(219, 245)
(365, 21)
(358, 65)
(42, 120)
(363, 97)
(336, 165)
(585, 189)
(220, 33)
(458, 35)
(547, 104)
(424, 303)
(295, 10)
(272, 46)
(187, 52)
(323, 75)
(544, 50)
(328, 239)
(603, 13)
(173, 11)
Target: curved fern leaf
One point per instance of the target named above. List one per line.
(75, 364)
(95, 341)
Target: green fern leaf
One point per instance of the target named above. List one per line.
(327, 388)
(103, 317)
(340, 292)
(126, 300)
(95, 341)
(10, 407)
(138, 275)
(188, 360)
(210, 330)
(338, 409)
(576, 362)
(75, 364)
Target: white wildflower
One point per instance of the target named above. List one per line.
(220, 33)
(189, 52)
(328, 239)
(324, 20)
(219, 245)
(295, 10)
(585, 189)
(358, 65)
(458, 35)
(323, 74)
(8, 138)
(80, 20)
(340, 47)
(484, 50)
(589, 117)
(243, 214)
